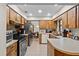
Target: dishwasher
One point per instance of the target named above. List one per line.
(22, 47)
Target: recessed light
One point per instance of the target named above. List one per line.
(48, 14)
(55, 5)
(39, 11)
(30, 14)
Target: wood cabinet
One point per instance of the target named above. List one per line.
(23, 20)
(53, 24)
(69, 18)
(65, 20)
(47, 24)
(50, 24)
(50, 49)
(12, 15)
(42, 24)
(78, 16)
(7, 18)
(72, 18)
(19, 18)
(10, 18)
(12, 50)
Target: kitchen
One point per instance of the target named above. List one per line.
(59, 32)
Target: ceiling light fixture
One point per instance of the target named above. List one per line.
(40, 11)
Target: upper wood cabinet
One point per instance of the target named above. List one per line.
(65, 20)
(51, 24)
(7, 15)
(23, 20)
(77, 16)
(72, 18)
(42, 24)
(10, 18)
(13, 15)
(19, 18)
(7, 18)
(47, 24)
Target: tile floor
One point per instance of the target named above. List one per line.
(36, 49)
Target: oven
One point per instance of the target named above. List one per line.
(9, 36)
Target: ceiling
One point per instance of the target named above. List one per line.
(45, 10)
(40, 9)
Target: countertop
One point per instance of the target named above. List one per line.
(10, 43)
(66, 45)
(25, 34)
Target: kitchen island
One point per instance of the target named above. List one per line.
(62, 46)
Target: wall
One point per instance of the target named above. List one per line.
(36, 25)
(2, 30)
(75, 31)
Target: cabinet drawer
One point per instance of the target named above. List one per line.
(12, 49)
(12, 53)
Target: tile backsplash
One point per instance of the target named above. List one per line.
(75, 31)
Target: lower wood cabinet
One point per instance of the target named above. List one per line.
(12, 50)
(54, 51)
(50, 49)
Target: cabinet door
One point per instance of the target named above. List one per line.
(12, 15)
(22, 20)
(42, 24)
(25, 21)
(77, 16)
(12, 50)
(51, 24)
(18, 18)
(65, 20)
(7, 17)
(72, 18)
(50, 49)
